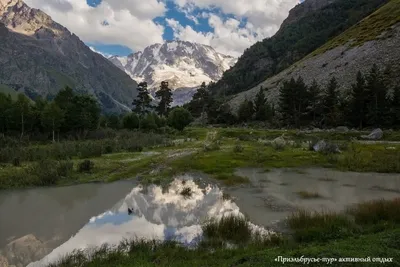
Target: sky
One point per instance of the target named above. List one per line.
(120, 27)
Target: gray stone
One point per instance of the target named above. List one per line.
(25, 250)
(3, 261)
(376, 134)
(323, 146)
(342, 129)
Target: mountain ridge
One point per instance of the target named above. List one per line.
(374, 40)
(39, 57)
(185, 65)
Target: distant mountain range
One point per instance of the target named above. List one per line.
(184, 65)
(39, 57)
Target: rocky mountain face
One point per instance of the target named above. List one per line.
(184, 65)
(309, 25)
(357, 49)
(39, 57)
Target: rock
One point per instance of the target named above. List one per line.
(25, 250)
(3, 262)
(376, 134)
(342, 129)
(279, 141)
(322, 146)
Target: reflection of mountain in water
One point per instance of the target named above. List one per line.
(156, 215)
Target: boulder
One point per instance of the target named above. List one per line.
(342, 129)
(25, 250)
(323, 146)
(3, 261)
(376, 134)
(279, 141)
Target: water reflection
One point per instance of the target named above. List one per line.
(169, 215)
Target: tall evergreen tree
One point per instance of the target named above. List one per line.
(287, 102)
(314, 99)
(6, 105)
(358, 102)
(200, 101)
(377, 101)
(262, 109)
(395, 107)
(331, 101)
(165, 96)
(142, 103)
(246, 111)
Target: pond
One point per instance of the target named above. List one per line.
(38, 226)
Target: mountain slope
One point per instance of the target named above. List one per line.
(309, 25)
(39, 57)
(183, 64)
(374, 40)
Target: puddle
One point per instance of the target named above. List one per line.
(273, 195)
(156, 214)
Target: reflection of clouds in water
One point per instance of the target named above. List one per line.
(156, 215)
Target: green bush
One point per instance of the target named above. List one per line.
(46, 172)
(90, 150)
(86, 166)
(179, 118)
(238, 148)
(130, 121)
(65, 168)
(16, 162)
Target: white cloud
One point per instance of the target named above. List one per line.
(264, 18)
(130, 22)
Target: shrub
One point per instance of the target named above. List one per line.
(148, 122)
(376, 211)
(65, 168)
(45, 171)
(238, 148)
(179, 118)
(16, 162)
(89, 150)
(320, 226)
(229, 228)
(130, 121)
(86, 166)
(278, 146)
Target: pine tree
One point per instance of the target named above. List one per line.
(314, 99)
(358, 102)
(246, 111)
(301, 100)
(395, 107)
(142, 103)
(331, 101)
(376, 97)
(287, 102)
(165, 96)
(262, 109)
(199, 102)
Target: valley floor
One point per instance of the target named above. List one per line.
(219, 152)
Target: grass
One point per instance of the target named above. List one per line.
(370, 28)
(120, 158)
(308, 195)
(314, 235)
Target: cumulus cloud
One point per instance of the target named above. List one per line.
(263, 19)
(129, 23)
(236, 24)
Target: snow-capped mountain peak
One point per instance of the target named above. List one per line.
(184, 65)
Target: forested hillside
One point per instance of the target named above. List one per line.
(307, 28)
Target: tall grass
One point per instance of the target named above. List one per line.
(373, 212)
(133, 142)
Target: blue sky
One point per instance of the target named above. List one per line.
(119, 27)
